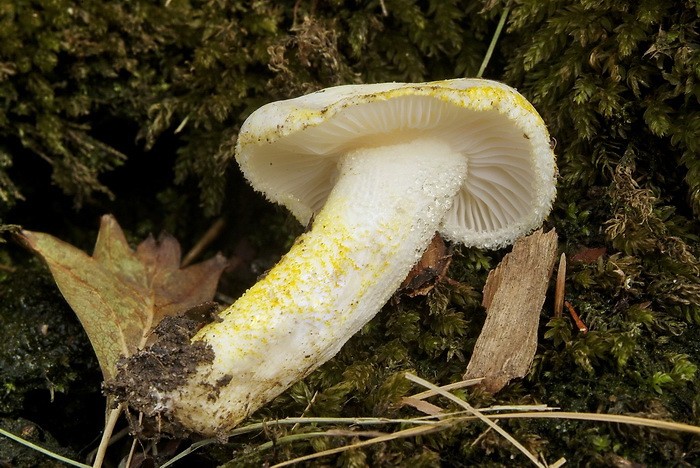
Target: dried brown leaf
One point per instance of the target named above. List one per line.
(120, 294)
(430, 269)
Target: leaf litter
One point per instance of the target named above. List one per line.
(120, 295)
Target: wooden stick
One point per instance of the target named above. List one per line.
(513, 297)
(560, 287)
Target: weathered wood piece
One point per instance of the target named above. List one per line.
(513, 297)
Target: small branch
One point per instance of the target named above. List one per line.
(560, 284)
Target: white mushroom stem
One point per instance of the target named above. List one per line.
(387, 203)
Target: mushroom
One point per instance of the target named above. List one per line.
(379, 168)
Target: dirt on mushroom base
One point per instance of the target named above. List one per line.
(162, 367)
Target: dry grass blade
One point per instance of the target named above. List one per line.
(477, 414)
(210, 236)
(306, 410)
(448, 387)
(423, 421)
(423, 406)
(417, 400)
(519, 408)
(427, 424)
(611, 418)
(494, 41)
(410, 432)
(310, 435)
(558, 463)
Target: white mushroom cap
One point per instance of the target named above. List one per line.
(289, 150)
(384, 166)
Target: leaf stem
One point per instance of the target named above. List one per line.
(106, 436)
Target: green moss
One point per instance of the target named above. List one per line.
(195, 69)
(616, 82)
(44, 349)
(49, 377)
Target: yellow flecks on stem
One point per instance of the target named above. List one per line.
(305, 290)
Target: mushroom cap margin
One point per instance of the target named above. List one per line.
(290, 131)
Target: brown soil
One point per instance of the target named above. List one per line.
(165, 365)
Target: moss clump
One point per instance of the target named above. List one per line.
(616, 82)
(196, 69)
(45, 356)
